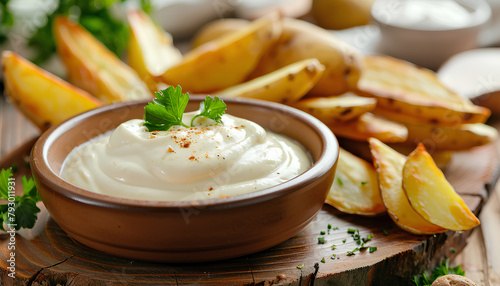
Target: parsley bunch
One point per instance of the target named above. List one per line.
(22, 213)
(426, 278)
(168, 107)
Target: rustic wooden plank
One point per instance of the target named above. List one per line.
(46, 253)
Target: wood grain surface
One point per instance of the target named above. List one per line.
(45, 255)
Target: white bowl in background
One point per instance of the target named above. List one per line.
(428, 32)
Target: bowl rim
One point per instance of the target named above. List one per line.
(481, 15)
(43, 172)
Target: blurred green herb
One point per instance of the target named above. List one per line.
(6, 20)
(427, 277)
(97, 16)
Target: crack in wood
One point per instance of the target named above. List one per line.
(34, 276)
(176, 281)
(313, 276)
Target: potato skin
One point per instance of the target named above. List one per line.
(453, 280)
(301, 40)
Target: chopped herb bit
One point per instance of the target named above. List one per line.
(333, 256)
(322, 232)
(351, 231)
(340, 182)
(321, 240)
(364, 183)
(323, 260)
(370, 236)
(384, 231)
(344, 240)
(352, 252)
(14, 168)
(372, 249)
(329, 226)
(300, 266)
(336, 228)
(333, 246)
(453, 250)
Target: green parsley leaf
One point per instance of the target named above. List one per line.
(384, 231)
(212, 108)
(329, 226)
(300, 266)
(321, 240)
(322, 232)
(344, 240)
(372, 249)
(364, 183)
(340, 182)
(166, 110)
(25, 213)
(22, 211)
(351, 231)
(323, 260)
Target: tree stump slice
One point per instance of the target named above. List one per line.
(45, 254)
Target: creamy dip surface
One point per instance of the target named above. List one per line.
(185, 164)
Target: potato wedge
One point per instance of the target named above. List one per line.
(463, 137)
(226, 61)
(150, 49)
(94, 68)
(43, 97)
(409, 90)
(355, 188)
(285, 85)
(369, 125)
(337, 108)
(218, 28)
(432, 196)
(302, 40)
(389, 165)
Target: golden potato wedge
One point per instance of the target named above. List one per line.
(301, 40)
(217, 29)
(285, 85)
(409, 90)
(440, 157)
(463, 137)
(43, 97)
(226, 61)
(150, 49)
(355, 188)
(337, 108)
(389, 165)
(94, 68)
(368, 125)
(432, 196)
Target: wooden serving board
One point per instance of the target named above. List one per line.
(46, 254)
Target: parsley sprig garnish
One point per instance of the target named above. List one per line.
(168, 107)
(22, 212)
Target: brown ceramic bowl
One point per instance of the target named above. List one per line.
(185, 231)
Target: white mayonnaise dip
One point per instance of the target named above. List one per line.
(202, 162)
(431, 15)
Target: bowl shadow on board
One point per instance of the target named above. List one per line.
(185, 231)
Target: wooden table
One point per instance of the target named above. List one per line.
(480, 258)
